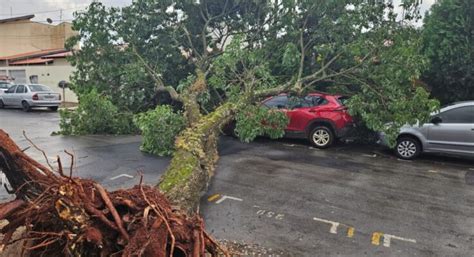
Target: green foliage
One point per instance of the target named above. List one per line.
(107, 61)
(159, 129)
(254, 121)
(448, 42)
(389, 95)
(96, 115)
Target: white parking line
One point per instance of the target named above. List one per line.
(387, 238)
(334, 225)
(122, 175)
(225, 197)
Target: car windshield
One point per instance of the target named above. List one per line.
(4, 85)
(39, 88)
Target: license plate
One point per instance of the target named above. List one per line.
(49, 97)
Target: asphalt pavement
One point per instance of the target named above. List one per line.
(350, 200)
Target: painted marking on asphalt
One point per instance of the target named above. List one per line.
(213, 197)
(4, 179)
(433, 171)
(225, 197)
(269, 214)
(376, 238)
(334, 225)
(387, 238)
(350, 232)
(370, 155)
(121, 175)
(471, 168)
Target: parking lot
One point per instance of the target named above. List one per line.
(284, 195)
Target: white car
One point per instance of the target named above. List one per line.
(30, 96)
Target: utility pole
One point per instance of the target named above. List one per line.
(11, 11)
(60, 15)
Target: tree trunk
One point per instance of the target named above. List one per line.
(194, 159)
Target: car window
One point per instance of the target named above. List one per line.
(39, 88)
(277, 102)
(459, 115)
(316, 100)
(20, 89)
(4, 85)
(343, 100)
(11, 90)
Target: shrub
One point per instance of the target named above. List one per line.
(96, 115)
(159, 129)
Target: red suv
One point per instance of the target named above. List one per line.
(321, 118)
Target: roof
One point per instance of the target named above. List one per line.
(59, 55)
(19, 18)
(32, 61)
(34, 54)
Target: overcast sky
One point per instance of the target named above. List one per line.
(44, 9)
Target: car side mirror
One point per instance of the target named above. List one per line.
(436, 120)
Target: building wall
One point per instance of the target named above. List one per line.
(48, 75)
(27, 36)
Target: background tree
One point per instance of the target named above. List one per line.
(448, 43)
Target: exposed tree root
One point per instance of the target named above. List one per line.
(67, 216)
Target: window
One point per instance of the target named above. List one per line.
(4, 85)
(11, 90)
(316, 100)
(459, 115)
(39, 88)
(20, 89)
(279, 102)
(343, 100)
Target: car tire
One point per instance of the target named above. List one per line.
(2, 105)
(54, 108)
(407, 148)
(321, 137)
(25, 106)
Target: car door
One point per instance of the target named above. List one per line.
(454, 131)
(8, 95)
(18, 95)
(302, 110)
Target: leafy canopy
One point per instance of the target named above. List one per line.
(448, 43)
(209, 52)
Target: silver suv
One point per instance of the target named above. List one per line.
(450, 131)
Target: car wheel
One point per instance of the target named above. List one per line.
(54, 108)
(2, 105)
(321, 137)
(26, 107)
(407, 148)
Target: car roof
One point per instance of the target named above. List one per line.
(316, 94)
(456, 105)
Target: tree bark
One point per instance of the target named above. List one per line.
(194, 159)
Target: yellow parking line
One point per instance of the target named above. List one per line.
(213, 197)
(350, 232)
(376, 238)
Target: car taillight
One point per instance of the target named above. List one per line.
(35, 97)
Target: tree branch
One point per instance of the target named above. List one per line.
(160, 86)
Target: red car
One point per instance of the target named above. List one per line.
(321, 118)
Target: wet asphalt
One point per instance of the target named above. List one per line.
(350, 200)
